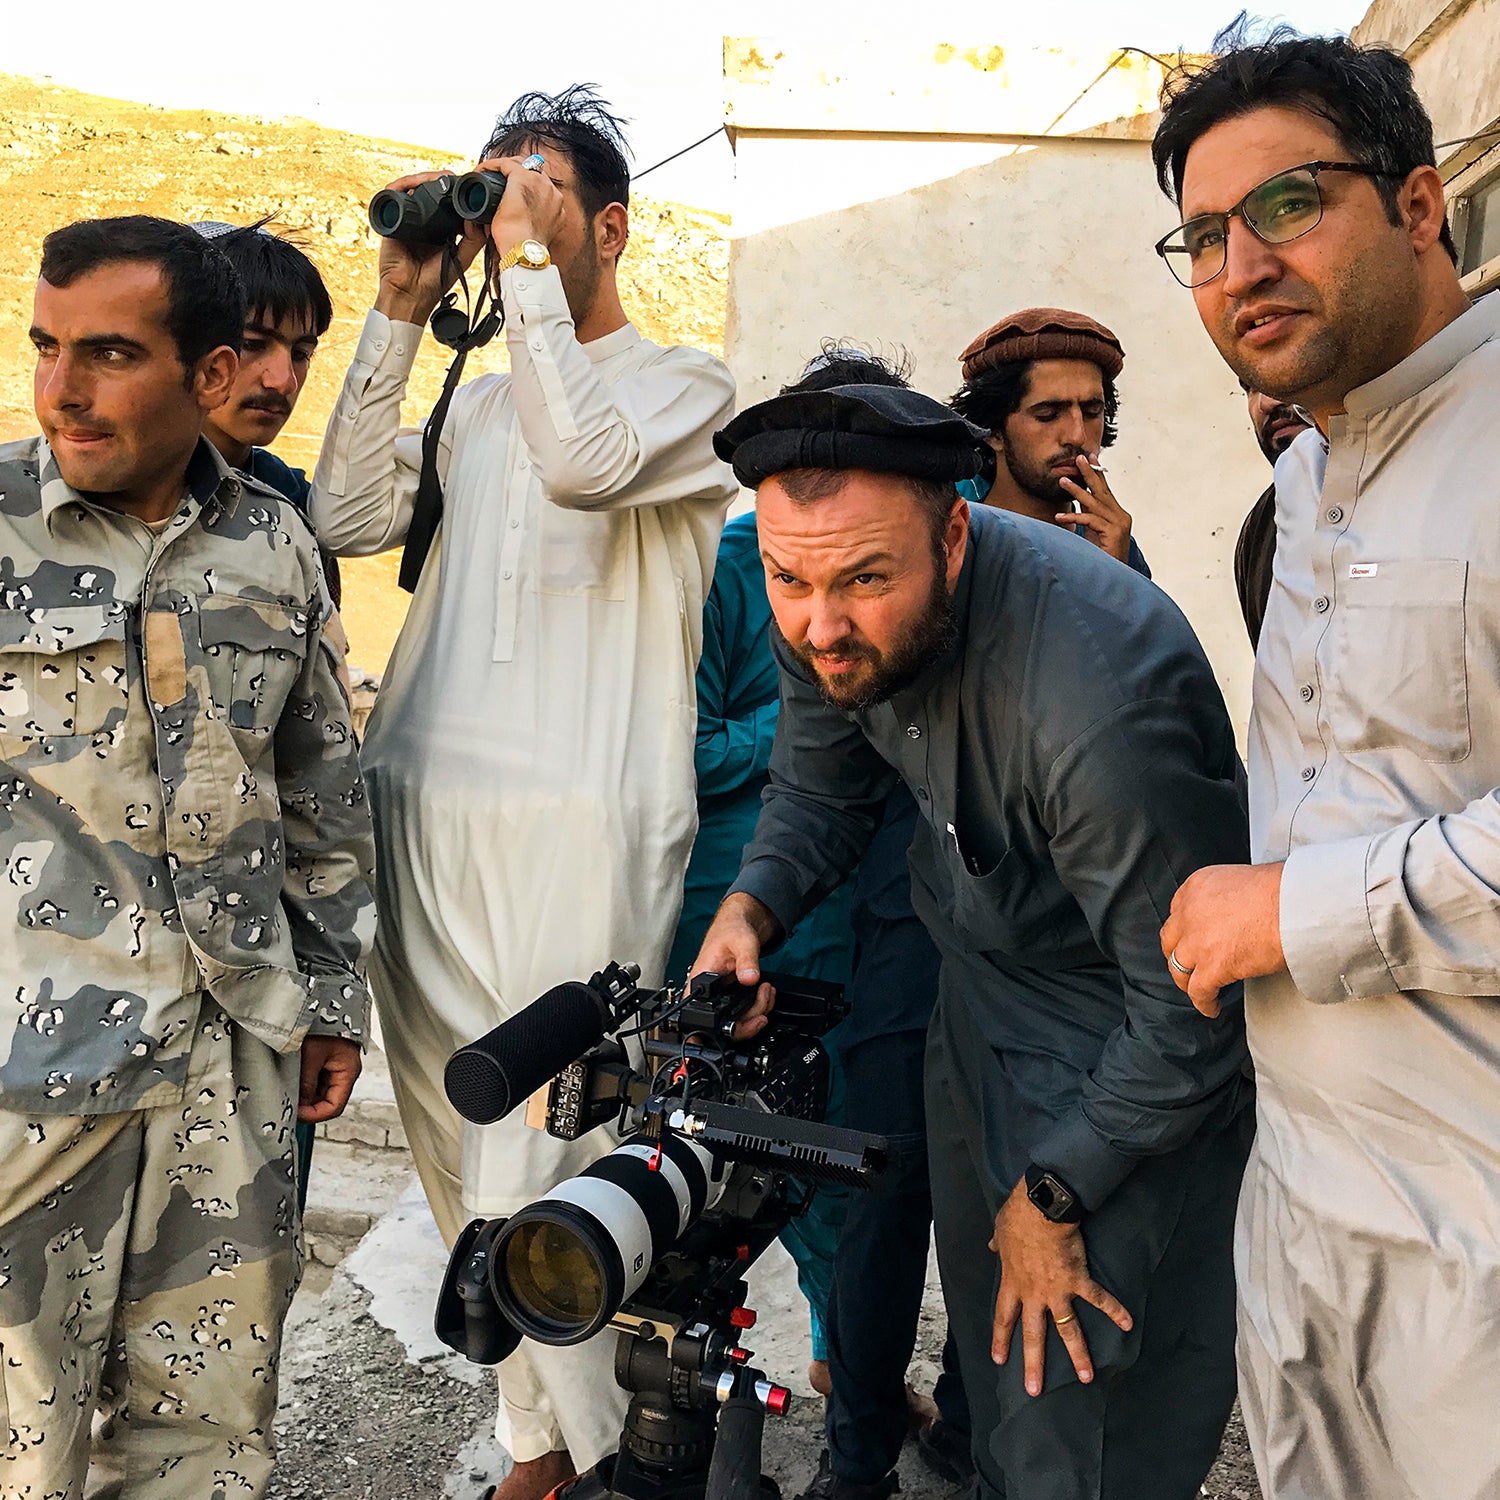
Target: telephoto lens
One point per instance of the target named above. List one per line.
(562, 1266)
(476, 195)
(423, 215)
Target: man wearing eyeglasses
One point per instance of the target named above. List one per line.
(1368, 1249)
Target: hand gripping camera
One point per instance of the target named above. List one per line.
(654, 1239)
(434, 213)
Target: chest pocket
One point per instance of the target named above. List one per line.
(62, 671)
(252, 653)
(1397, 675)
(582, 552)
(997, 911)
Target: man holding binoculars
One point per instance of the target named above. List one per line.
(530, 762)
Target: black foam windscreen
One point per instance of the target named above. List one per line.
(487, 1079)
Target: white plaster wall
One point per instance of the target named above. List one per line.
(1454, 49)
(832, 238)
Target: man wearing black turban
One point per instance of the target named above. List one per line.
(1073, 762)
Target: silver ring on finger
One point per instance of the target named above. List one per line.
(536, 162)
(1180, 967)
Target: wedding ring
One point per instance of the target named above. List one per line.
(1181, 968)
(535, 162)
(1070, 1318)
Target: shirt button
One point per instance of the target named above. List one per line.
(514, 522)
(1308, 773)
(524, 464)
(912, 732)
(1307, 692)
(1321, 604)
(379, 345)
(522, 284)
(1335, 516)
(922, 793)
(506, 573)
(538, 345)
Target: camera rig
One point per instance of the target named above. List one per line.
(655, 1238)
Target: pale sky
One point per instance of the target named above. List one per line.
(371, 68)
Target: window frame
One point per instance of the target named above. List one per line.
(1469, 172)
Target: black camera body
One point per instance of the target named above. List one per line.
(654, 1239)
(435, 212)
(783, 1071)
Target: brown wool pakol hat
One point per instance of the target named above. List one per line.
(1044, 333)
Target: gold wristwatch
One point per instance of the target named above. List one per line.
(532, 254)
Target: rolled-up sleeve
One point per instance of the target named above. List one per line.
(366, 479)
(1415, 907)
(601, 446)
(824, 802)
(1134, 806)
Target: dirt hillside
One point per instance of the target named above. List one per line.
(65, 155)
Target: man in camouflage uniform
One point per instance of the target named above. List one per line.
(185, 891)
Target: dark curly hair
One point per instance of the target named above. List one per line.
(1366, 94)
(583, 127)
(995, 395)
(840, 362)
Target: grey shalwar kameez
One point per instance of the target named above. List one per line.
(1368, 1248)
(1073, 762)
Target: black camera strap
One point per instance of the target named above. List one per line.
(427, 508)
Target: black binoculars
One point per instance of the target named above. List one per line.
(434, 213)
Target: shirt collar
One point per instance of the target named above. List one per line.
(611, 344)
(1429, 362)
(208, 480)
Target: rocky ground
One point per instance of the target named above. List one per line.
(65, 155)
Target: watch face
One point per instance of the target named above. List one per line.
(534, 251)
(1051, 1197)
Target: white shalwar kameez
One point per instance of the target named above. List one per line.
(530, 760)
(1368, 1247)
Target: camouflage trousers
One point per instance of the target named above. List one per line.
(147, 1261)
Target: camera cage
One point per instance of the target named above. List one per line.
(697, 1402)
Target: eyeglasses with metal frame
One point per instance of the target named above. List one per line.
(1280, 209)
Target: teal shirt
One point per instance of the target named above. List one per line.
(738, 695)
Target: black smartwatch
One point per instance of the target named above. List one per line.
(1053, 1196)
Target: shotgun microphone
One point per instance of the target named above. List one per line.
(487, 1079)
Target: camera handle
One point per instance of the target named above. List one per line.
(734, 1472)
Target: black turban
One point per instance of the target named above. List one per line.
(889, 429)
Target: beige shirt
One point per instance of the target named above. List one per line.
(533, 739)
(1374, 764)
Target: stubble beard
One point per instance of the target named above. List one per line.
(1043, 486)
(1363, 329)
(581, 278)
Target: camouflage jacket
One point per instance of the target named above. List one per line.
(180, 802)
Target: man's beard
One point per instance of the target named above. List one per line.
(1041, 483)
(923, 641)
(1364, 323)
(1273, 448)
(580, 278)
